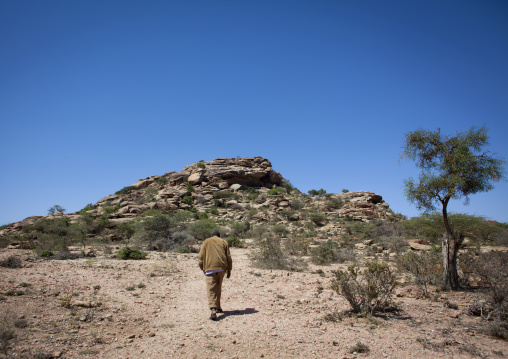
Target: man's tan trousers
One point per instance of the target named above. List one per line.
(214, 288)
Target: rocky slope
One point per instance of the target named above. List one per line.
(229, 189)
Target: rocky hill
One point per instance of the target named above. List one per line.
(227, 190)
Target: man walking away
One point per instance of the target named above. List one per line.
(215, 261)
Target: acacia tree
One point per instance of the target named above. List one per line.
(453, 167)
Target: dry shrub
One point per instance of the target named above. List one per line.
(11, 262)
(492, 271)
(269, 255)
(425, 267)
(369, 291)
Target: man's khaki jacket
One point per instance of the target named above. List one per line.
(214, 255)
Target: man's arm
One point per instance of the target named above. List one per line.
(201, 256)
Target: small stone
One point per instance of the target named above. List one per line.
(131, 336)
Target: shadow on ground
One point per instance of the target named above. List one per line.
(228, 313)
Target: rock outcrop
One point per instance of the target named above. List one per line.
(231, 188)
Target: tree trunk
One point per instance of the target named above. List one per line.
(449, 250)
(450, 273)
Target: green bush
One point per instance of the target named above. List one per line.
(345, 190)
(288, 186)
(126, 190)
(329, 252)
(360, 230)
(333, 203)
(297, 246)
(88, 207)
(318, 218)
(128, 253)
(56, 208)
(269, 255)
(203, 228)
(240, 228)
(369, 291)
(430, 226)
(280, 230)
(297, 204)
(252, 196)
(325, 253)
(226, 194)
(157, 231)
(54, 234)
(200, 165)
(161, 180)
(234, 241)
(190, 187)
(188, 200)
(273, 192)
(319, 193)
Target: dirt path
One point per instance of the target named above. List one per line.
(157, 309)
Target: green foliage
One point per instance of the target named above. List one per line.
(188, 200)
(430, 226)
(273, 192)
(240, 228)
(280, 230)
(126, 229)
(333, 203)
(319, 193)
(362, 230)
(325, 253)
(202, 228)
(452, 166)
(345, 190)
(214, 211)
(269, 255)
(234, 241)
(126, 190)
(54, 234)
(161, 180)
(369, 291)
(226, 194)
(288, 186)
(329, 252)
(56, 208)
(252, 196)
(158, 231)
(190, 187)
(129, 253)
(297, 204)
(296, 246)
(318, 218)
(200, 165)
(88, 207)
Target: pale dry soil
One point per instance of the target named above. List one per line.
(156, 308)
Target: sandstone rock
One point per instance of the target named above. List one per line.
(195, 178)
(235, 187)
(417, 245)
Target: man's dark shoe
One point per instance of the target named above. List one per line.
(213, 316)
(220, 310)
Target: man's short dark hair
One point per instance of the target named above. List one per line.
(216, 233)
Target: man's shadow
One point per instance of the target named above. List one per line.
(228, 313)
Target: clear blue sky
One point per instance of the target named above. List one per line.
(95, 95)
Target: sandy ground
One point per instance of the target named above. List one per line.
(157, 308)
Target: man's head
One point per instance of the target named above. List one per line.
(216, 233)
